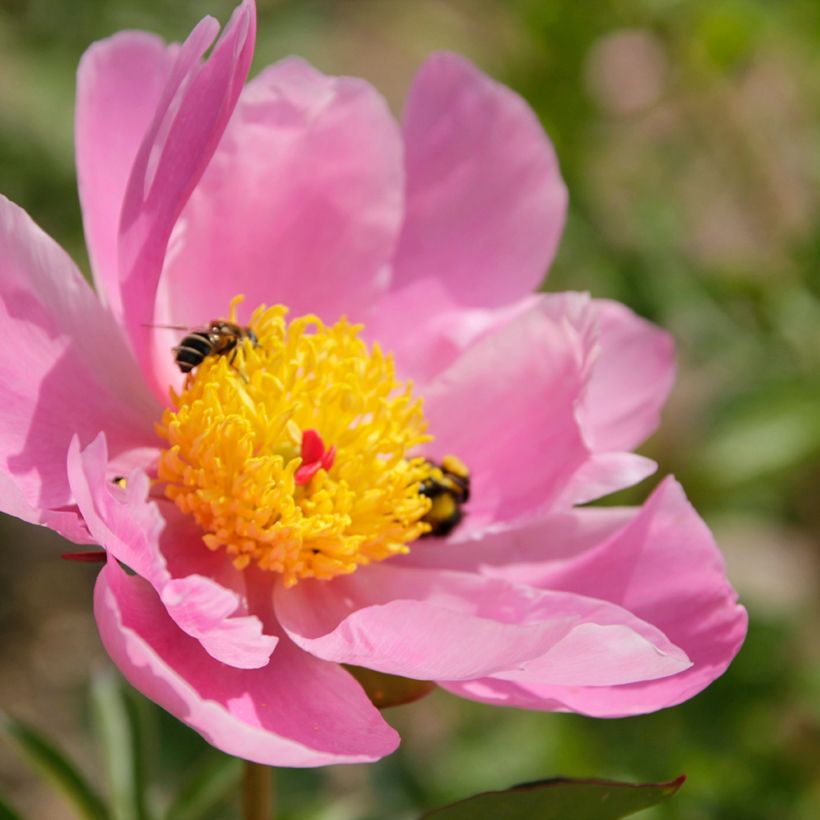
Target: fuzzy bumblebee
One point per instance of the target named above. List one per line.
(448, 488)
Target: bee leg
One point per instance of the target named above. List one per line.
(231, 361)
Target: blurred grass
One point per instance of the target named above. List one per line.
(689, 135)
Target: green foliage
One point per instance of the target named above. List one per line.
(119, 733)
(560, 799)
(123, 721)
(7, 812)
(212, 783)
(55, 766)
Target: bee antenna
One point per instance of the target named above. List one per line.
(164, 327)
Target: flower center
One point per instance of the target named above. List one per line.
(290, 448)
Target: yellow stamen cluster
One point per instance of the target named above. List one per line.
(234, 444)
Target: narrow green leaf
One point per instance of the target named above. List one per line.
(559, 799)
(119, 734)
(7, 812)
(213, 782)
(42, 754)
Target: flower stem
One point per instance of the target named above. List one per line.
(257, 792)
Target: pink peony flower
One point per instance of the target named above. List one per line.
(291, 506)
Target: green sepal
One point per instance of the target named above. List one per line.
(389, 690)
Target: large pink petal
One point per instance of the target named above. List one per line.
(448, 625)
(191, 115)
(632, 377)
(508, 408)
(119, 84)
(664, 567)
(67, 521)
(423, 325)
(522, 552)
(485, 199)
(602, 474)
(296, 711)
(65, 370)
(301, 203)
(208, 605)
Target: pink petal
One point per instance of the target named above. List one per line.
(65, 371)
(67, 521)
(508, 408)
(522, 552)
(664, 567)
(426, 329)
(630, 381)
(602, 654)
(208, 605)
(207, 611)
(485, 199)
(300, 205)
(296, 711)
(603, 473)
(119, 84)
(194, 109)
(448, 625)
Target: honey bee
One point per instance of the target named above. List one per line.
(448, 487)
(218, 339)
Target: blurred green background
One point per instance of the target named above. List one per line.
(689, 136)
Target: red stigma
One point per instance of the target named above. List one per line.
(314, 457)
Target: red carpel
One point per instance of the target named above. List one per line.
(88, 556)
(314, 457)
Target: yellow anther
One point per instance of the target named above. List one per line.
(298, 394)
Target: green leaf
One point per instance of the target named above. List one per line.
(771, 431)
(213, 782)
(560, 799)
(43, 755)
(7, 812)
(119, 733)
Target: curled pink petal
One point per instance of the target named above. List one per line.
(447, 625)
(207, 611)
(194, 109)
(663, 566)
(296, 711)
(119, 85)
(632, 377)
(67, 521)
(67, 372)
(520, 385)
(485, 199)
(602, 474)
(133, 530)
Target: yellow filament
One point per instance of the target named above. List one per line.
(234, 444)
